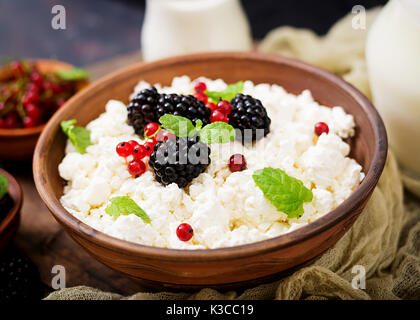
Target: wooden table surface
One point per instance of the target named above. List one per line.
(42, 239)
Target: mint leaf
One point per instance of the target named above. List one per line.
(66, 125)
(4, 186)
(286, 193)
(217, 132)
(228, 94)
(79, 136)
(198, 124)
(125, 206)
(179, 126)
(74, 74)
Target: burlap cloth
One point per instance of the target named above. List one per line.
(385, 239)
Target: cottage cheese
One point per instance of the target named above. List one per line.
(224, 208)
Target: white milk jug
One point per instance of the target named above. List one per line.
(176, 27)
(393, 59)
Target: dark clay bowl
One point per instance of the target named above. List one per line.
(225, 267)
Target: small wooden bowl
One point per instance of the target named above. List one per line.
(10, 223)
(19, 144)
(225, 267)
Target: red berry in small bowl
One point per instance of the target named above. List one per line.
(29, 122)
(30, 97)
(201, 96)
(151, 129)
(237, 163)
(224, 106)
(200, 87)
(11, 120)
(33, 111)
(124, 149)
(218, 116)
(36, 78)
(184, 232)
(17, 69)
(136, 168)
(321, 127)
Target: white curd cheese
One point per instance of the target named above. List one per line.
(224, 208)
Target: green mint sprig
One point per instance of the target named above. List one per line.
(74, 74)
(125, 206)
(286, 193)
(4, 186)
(228, 94)
(216, 132)
(79, 136)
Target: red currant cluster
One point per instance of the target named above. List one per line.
(29, 98)
(137, 165)
(219, 112)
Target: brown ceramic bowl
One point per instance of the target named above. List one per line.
(225, 267)
(19, 144)
(10, 223)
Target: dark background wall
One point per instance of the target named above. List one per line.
(100, 29)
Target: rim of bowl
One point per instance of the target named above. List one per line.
(17, 205)
(355, 200)
(19, 132)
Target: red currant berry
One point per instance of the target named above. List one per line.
(33, 87)
(139, 152)
(133, 143)
(321, 127)
(124, 149)
(237, 162)
(47, 86)
(149, 146)
(2, 123)
(36, 78)
(212, 106)
(164, 135)
(201, 96)
(200, 87)
(184, 232)
(30, 97)
(29, 122)
(151, 129)
(17, 68)
(11, 121)
(224, 106)
(218, 116)
(57, 88)
(136, 168)
(33, 111)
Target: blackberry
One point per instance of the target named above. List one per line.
(179, 160)
(249, 113)
(184, 106)
(142, 109)
(19, 277)
(148, 106)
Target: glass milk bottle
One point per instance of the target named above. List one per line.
(393, 59)
(176, 27)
